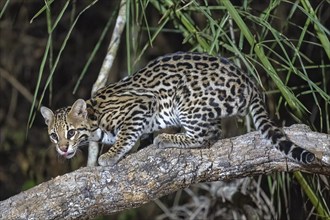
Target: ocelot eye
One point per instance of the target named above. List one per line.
(53, 137)
(70, 133)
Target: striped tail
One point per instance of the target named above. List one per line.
(277, 137)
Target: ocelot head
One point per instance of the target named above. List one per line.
(68, 127)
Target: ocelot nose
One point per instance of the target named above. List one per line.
(64, 148)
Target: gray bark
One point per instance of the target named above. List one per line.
(151, 173)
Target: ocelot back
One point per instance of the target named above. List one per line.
(189, 90)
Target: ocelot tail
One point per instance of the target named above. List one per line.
(188, 90)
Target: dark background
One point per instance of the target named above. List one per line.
(27, 157)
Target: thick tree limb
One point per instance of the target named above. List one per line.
(152, 173)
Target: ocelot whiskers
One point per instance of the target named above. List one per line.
(189, 90)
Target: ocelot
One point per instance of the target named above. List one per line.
(188, 90)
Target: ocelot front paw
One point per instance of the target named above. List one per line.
(161, 141)
(107, 160)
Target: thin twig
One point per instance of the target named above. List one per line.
(101, 80)
(112, 49)
(16, 84)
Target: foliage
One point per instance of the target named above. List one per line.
(284, 45)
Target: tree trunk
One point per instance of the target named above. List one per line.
(151, 173)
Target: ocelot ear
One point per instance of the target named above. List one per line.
(79, 109)
(47, 114)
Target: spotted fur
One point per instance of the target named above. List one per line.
(189, 90)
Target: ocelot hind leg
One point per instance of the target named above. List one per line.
(202, 134)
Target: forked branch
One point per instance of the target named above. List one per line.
(152, 173)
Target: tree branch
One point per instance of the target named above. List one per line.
(152, 173)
